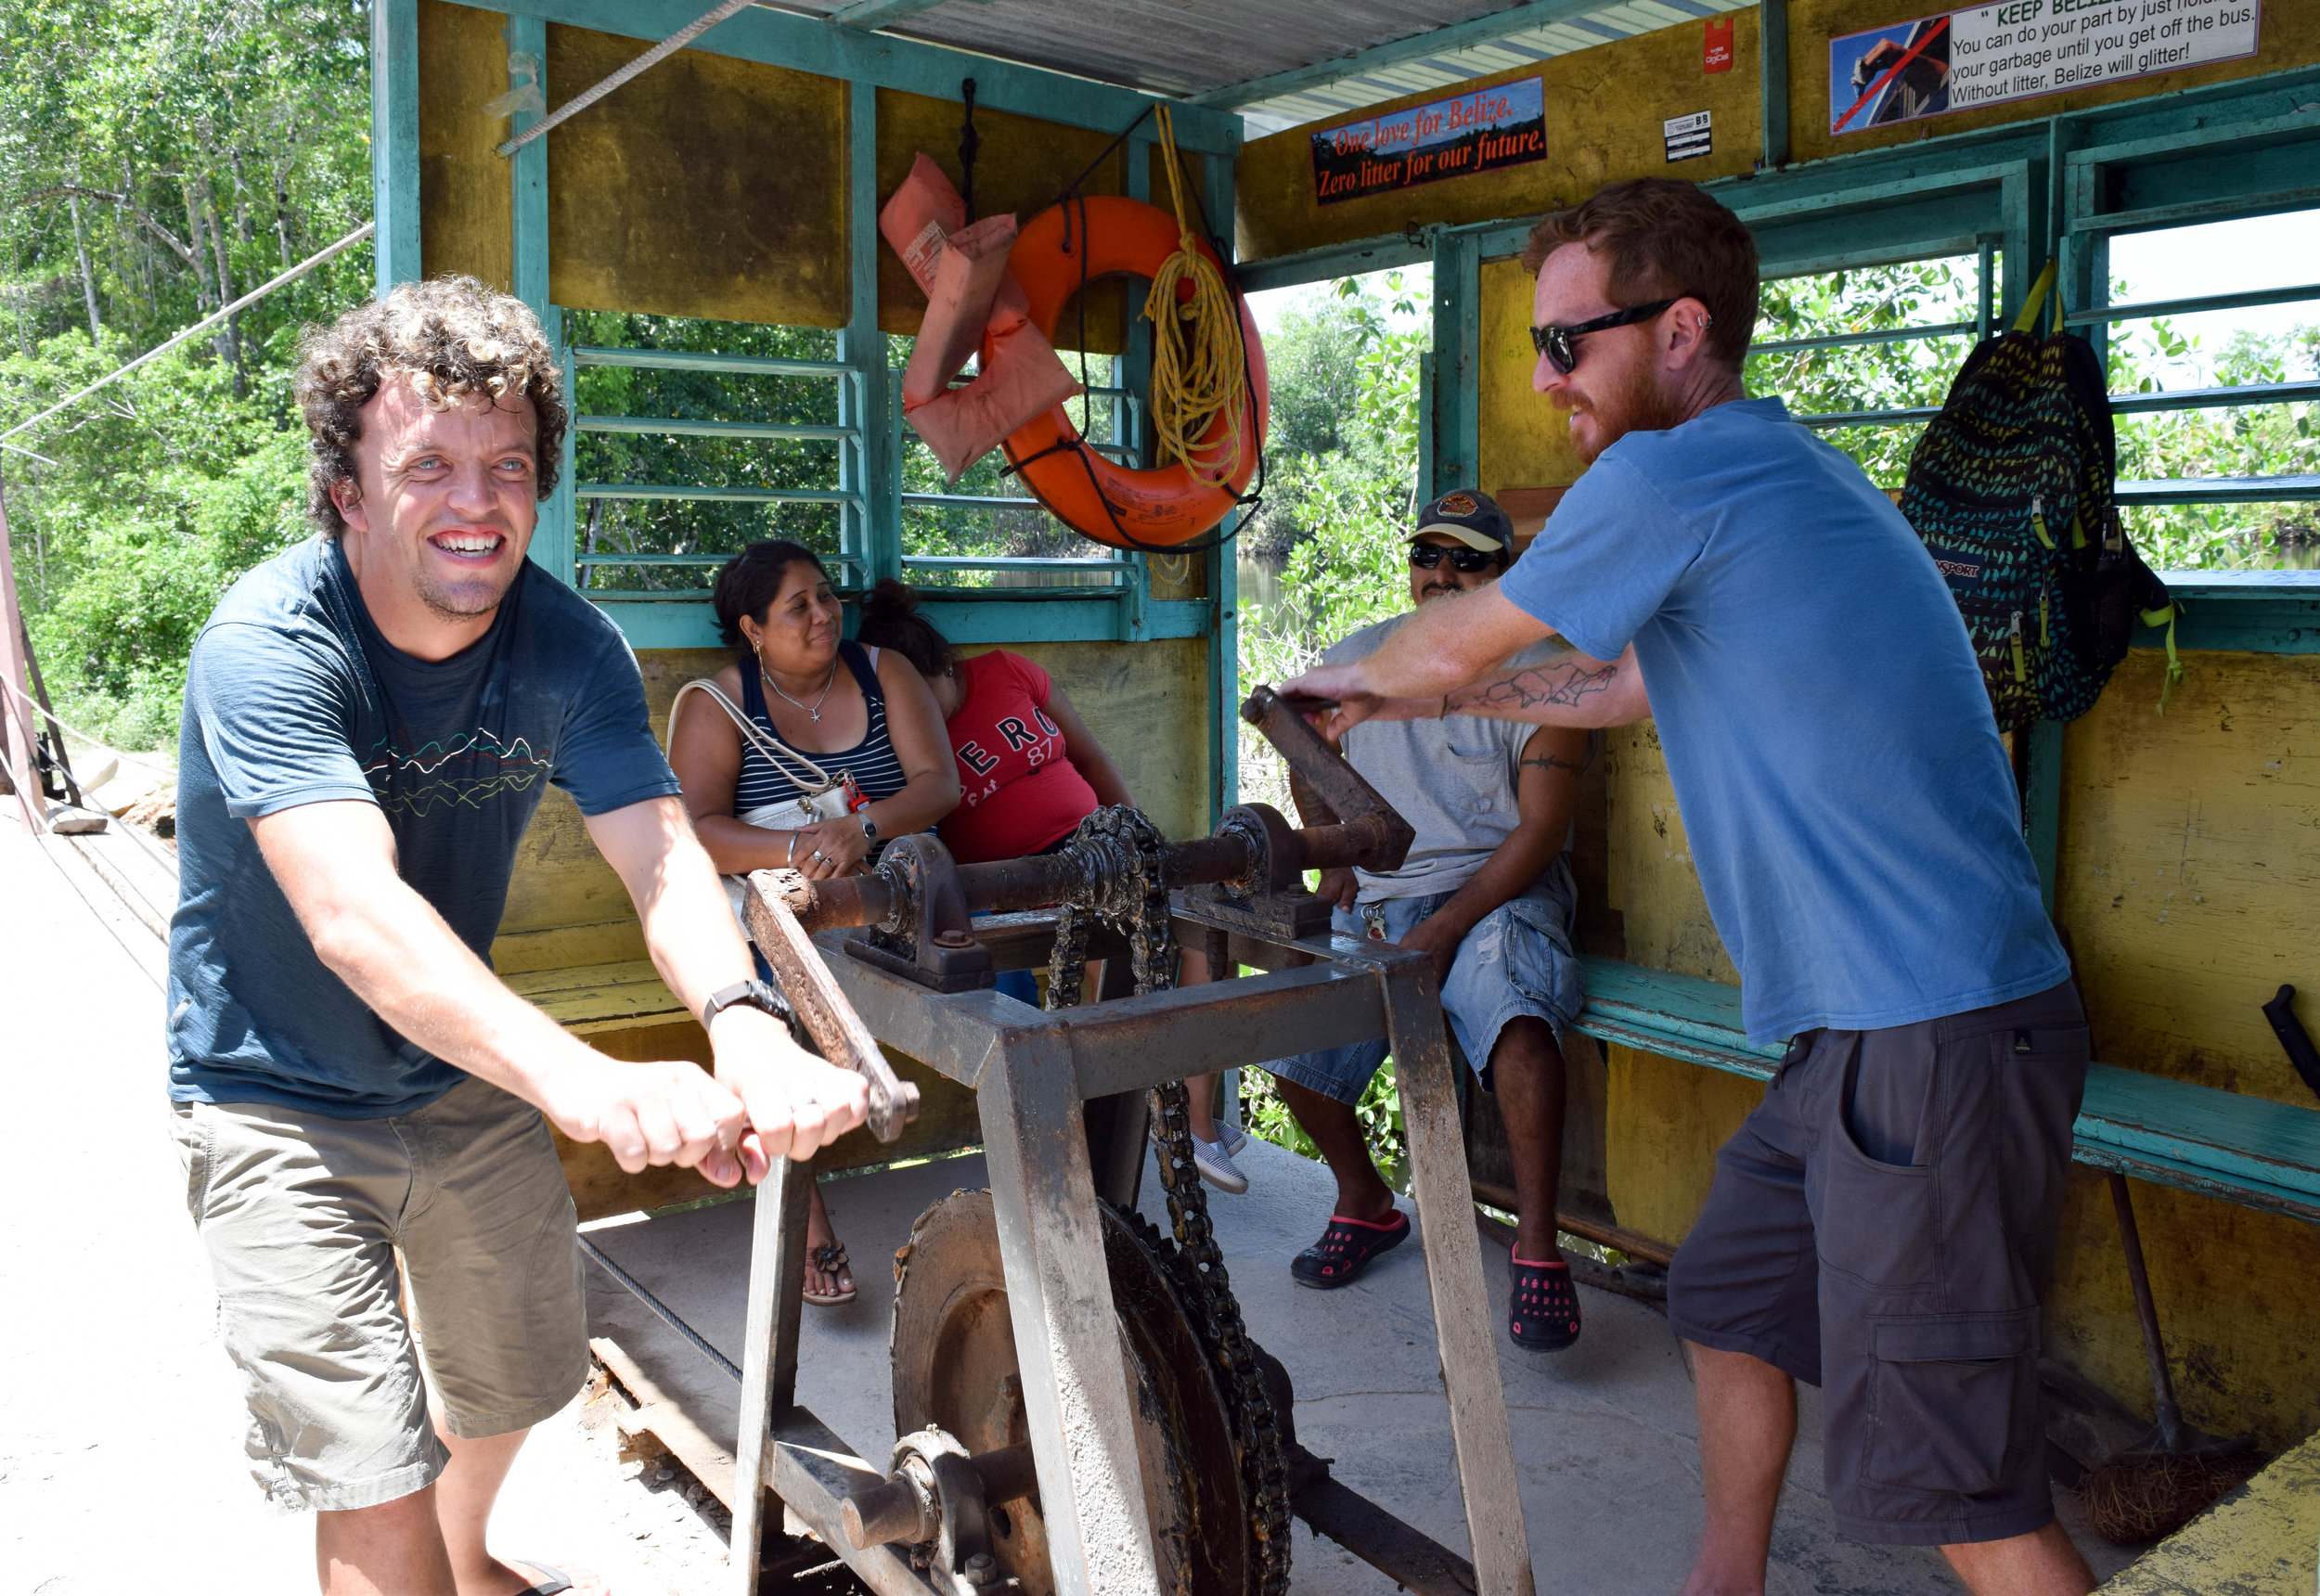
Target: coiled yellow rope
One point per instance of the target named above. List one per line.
(1198, 365)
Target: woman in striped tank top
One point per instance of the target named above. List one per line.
(865, 713)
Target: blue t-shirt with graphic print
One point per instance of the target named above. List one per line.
(294, 697)
(1850, 807)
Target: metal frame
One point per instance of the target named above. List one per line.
(1032, 1072)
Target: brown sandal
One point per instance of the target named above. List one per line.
(830, 1258)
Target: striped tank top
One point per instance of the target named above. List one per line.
(872, 762)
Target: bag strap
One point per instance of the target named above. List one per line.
(2028, 320)
(779, 754)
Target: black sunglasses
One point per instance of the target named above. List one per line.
(1558, 343)
(1427, 556)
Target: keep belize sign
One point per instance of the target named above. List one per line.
(1480, 132)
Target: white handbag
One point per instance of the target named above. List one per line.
(824, 796)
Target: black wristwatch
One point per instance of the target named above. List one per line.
(870, 826)
(756, 993)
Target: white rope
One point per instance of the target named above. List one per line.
(95, 742)
(650, 58)
(252, 297)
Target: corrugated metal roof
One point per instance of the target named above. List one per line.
(1199, 47)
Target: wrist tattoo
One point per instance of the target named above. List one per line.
(1553, 762)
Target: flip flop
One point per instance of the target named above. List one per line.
(830, 1258)
(554, 1585)
(1345, 1249)
(1542, 1309)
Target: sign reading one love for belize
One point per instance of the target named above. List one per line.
(1492, 127)
(1986, 55)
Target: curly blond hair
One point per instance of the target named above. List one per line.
(450, 338)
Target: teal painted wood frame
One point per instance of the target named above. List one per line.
(2244, 1150)
(881, 61)
(395, 140)
(1224, 577)
(554, 543)
(1455, 390)
(1772, 78)
(869, 464)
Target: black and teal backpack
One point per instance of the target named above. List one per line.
(2010, 489)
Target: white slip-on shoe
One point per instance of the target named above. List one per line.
(1217, 1167)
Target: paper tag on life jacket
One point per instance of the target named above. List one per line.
(1716, 47)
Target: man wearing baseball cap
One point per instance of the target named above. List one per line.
(1485, 890)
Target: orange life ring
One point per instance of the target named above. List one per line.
(1162, 507)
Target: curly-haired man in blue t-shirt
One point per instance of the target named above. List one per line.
(371, 718)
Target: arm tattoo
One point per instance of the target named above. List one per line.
(1552, 763)
(1563, 686)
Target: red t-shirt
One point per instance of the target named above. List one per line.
(1019, 791)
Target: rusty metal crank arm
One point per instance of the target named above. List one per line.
(836, 1029)
(1352, 804)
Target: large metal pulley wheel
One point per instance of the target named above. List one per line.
(955, 1371)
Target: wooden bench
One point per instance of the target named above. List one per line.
(2245, 1149)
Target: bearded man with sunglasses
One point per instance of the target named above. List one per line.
(1883, 1225)
(1485, 890)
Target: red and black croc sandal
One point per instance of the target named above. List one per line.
(1345, 1249)
(1543, 1307)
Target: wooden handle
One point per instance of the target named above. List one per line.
(836, 1029)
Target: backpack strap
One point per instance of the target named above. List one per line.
(2028, 320)
(778, 753)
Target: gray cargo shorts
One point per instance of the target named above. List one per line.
(303, 1217)
(1882, 1227)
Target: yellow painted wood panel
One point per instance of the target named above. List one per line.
(1526, 442)
(2290, 37)
(1604, 106)
(2238, 1292)
(1653, 883)
(466, 194)
(1665, 1121)
(2190, 880)
(2264, 1541)
(709, 187)
(1022, 165)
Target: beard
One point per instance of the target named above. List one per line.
(1633, 405)
(465, 599)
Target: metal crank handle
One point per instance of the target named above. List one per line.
(830, 1020)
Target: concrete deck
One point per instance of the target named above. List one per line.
(1604, 1433)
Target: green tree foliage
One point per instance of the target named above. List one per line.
(158, 159)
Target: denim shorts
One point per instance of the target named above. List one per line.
(1882, 1227)
(1515, 962)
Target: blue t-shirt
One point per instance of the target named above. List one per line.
(293, 697)
(1850, 807)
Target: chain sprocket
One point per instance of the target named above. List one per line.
(1119, 854)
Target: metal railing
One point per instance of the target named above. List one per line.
(853, 557)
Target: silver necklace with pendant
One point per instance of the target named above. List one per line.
(813, 709)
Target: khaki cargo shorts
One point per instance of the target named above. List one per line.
(304, 1215)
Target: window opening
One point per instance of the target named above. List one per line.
(2213, 348)
(1867, 354)
(693, 438)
